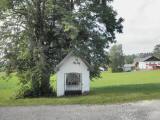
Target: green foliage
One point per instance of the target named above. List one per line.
(109, 70)
(116, 58)
(156, 51)
(4, 4)
(37, 34)
(129, 59)
(143, 55)
(1, 66)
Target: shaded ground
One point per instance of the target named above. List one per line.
(145, 110)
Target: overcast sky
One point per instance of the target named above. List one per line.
(141, 26)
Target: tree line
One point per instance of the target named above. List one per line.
(118, 59)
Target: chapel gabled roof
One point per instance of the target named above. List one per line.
(68, 56)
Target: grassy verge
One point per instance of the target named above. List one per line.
(111, 88)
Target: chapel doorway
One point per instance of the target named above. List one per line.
(73, 83)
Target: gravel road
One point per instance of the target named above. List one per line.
(144, 110)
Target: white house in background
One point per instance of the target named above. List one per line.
(147, 63)
(128, 67)
(73, 75)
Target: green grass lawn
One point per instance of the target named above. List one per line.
(110, 88)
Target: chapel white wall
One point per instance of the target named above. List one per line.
(69, 67)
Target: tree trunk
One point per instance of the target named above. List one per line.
(42, 65)
(45, 84)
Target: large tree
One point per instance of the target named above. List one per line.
(116, 58)
(156, 51)
(129, 59)
(37, 34)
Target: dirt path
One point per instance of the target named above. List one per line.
(145, 110)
